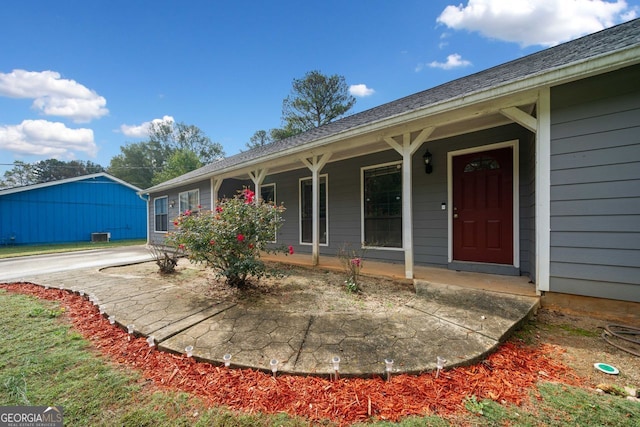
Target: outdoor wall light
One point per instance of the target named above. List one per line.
(172, 203)
(428, 158)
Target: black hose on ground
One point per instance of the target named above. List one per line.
(625, 333)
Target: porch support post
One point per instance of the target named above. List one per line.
(257, 176)
(406, 149)
(215, 187)
(543, 191)
(315, 163)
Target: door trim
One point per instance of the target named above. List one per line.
(514, 144)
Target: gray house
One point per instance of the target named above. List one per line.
(530, 168)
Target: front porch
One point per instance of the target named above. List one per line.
(514, 285)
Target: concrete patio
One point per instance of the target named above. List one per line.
(455, 315)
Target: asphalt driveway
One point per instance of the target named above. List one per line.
(16, 268)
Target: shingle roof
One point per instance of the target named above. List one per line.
(613, 39)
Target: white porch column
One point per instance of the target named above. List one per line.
(407, 149)
(258, 176)
(315, 163)
(215, 187)
(543, 191)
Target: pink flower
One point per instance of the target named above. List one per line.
(187, 212)
(356, 262)
(181, 246)
(212, 242)
(248, 196)
(199, 206)
(290, 250)
(218, 208)
(240, 237)
(250, 245)
(176, 223)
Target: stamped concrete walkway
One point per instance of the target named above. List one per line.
(458, 323)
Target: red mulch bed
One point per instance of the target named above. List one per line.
(506, 376)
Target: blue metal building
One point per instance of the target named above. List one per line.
(95, 207)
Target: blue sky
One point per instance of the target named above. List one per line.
(79, 79)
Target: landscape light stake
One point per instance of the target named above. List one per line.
(227, 360)
(189, 350)
(439, 365)
(388, 368)
(151, 341)
(130, 329)
(274, 366)
(336, 367)
(112, 319)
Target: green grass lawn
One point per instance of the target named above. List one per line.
(24, 250)
(44, 362)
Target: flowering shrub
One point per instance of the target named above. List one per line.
(352, 261)
(229, 239)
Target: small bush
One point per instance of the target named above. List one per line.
(352, 262)
(166, 257)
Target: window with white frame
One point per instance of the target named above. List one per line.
(161, 214)
(382, 205)
(189, 200)
(306, 210)
(268, 193)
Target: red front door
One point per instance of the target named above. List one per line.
(483, 206)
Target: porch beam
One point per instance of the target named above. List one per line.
(315, 163)
(520, 117)
(407, 149)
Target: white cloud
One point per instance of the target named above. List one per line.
(142, 130)
(361, 90)
(44, 138)
(536, 22)
(54, 96)
(453, 61)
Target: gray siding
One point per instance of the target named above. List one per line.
(595, 186)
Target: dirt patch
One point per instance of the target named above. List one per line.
(316, 291)
(580, 337)
(293, 289)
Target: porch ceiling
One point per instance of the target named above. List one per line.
(447, 124)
